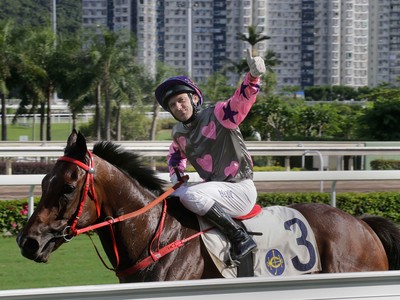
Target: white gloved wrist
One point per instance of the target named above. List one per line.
(256, 65)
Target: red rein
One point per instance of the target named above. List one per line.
(89, 185)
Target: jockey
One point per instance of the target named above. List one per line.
(210, 139)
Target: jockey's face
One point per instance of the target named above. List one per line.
(181, 107)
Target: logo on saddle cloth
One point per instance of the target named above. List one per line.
(285, 244)
(275, 262)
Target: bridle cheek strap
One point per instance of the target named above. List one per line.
(89, 186)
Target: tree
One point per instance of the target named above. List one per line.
(381, 91)
(332, 93)
(37, 14)
(35, 64)
(381, 121)
(124, 91)
(112, 55)
(274, 118)
(6, 61)
(74, 74)
(253, 37)
(270, 58)
(216, 88)
(316, 118)
(149, 85)
(269, 78)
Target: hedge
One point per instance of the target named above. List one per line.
(28, 167)
(385, 204)
(13, 216)
(13, 213)
(385, 164)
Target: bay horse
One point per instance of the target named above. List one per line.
(112, 191)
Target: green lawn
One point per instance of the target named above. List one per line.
(74, 263)
(59, 132)
(163, 135)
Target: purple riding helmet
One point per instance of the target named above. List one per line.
(176, 85)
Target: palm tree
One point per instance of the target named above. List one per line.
(124, 90)
(113, 56)
(6, 61)
(270, 58)
(74, 74)
(271, 61)
(253, 37)
(35, 67)
(163, 72)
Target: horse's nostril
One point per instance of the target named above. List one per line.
(29, 247)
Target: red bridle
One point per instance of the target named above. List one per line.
(71, 231)
(89, 185)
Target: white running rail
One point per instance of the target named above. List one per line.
(357, 286)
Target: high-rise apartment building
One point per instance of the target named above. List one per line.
(138, 17)
(319, 42)
(199, 37)
(384, 63)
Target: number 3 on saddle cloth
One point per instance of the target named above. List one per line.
(285, 244)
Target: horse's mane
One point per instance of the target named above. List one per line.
(130, 163)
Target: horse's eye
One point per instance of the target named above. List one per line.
(68, 189)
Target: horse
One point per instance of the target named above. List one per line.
(148, 235)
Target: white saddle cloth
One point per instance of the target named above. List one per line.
(286, 247)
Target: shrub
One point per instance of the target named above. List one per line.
(13, 216)
(385, 204)
(385, 164)
(28, 167)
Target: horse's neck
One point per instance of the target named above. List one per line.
(119, 195)
(134, 238)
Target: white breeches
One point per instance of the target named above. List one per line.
(236, 198)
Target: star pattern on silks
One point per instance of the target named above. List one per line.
(229, 113)
(242, 88)
(175, 158)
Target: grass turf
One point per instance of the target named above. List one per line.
(74, 263)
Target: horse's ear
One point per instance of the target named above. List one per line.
(81, 144)
(72, 138)
(76, 145)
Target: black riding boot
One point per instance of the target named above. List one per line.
(241, 242)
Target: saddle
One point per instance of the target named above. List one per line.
(285, 244)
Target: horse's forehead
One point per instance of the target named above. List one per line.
(63, 174)
(69, 169)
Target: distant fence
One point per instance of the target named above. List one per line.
(332, 176)
(323, 151)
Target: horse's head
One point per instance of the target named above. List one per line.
(67, 202)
